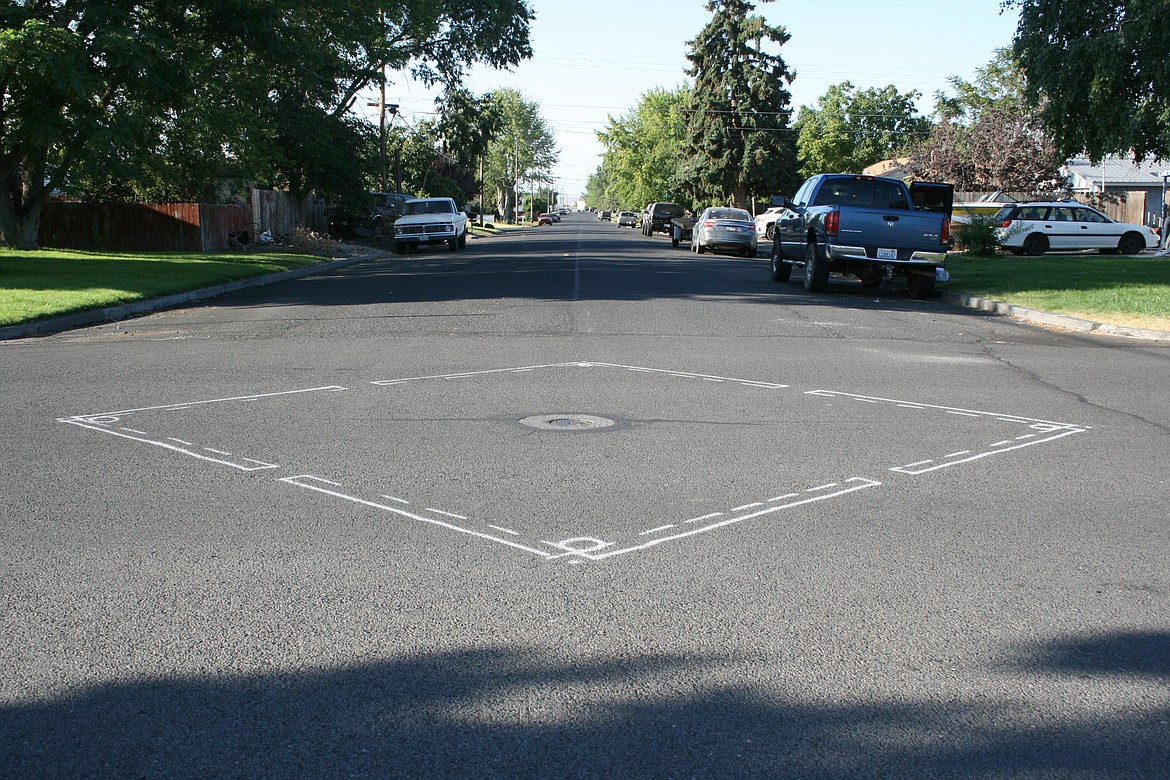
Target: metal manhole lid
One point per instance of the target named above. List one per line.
(567, 422)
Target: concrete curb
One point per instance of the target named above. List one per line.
(1049, 319)
(83, 319)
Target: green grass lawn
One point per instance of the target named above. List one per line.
(1118, 290)
(49, 282)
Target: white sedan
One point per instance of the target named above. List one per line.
(766, 223)
(1035, 228)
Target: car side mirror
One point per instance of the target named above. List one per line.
(778, 200)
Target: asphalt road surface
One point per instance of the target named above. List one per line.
(573, 503)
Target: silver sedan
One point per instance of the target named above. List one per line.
(724, 230)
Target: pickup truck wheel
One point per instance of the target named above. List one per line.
(463, 240)
(1036, 244)
(780, 269)
(770, 233)
(920, 287)
(452, 245)
(1131, 244)
(816, 270)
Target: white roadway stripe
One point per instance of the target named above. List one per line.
(404, 513)
(950, 409)
(582, 364)
(396, 498)
(184, 405)
(658, 529)
(445, 514)
(505, 530)
(262, 465)
(705, 517)
(864, 484)
(980, 455)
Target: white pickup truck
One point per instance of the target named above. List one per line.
(430, 221)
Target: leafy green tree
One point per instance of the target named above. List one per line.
(523, 149)
(138, 98)
(644, 149)
(599, 189)
(849, 129)
(1099, 72)
(987, 137)
(738, 137)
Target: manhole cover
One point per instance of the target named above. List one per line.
(567, 422)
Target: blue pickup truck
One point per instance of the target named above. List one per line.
(871, 227)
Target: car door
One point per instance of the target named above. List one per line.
(1062, 228)
(1096, 230)
(790, 222)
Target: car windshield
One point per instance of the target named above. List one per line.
(428, 207)
(739, 214)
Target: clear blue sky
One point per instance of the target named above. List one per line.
(595, 58)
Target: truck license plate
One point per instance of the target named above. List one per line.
(887, 254)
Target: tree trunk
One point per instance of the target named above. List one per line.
(20, 219)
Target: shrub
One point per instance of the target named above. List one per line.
(977, 237)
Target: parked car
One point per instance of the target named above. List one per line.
(766, 223)
(871, 227)
(605, 215)
(1035, 228)
(386, 207)
(657, 216)
(627, 219)
(430, 221)
(724, 230)
(544, 219)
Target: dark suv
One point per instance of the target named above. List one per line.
(657, 216)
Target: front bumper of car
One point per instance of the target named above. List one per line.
(425, 231)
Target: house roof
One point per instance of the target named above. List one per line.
(1116, 171)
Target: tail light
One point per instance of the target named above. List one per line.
(946, 231)
(832, 223)
(1006, 223)
(708, 223)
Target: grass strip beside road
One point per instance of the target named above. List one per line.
(1131, 291)
(51, 282)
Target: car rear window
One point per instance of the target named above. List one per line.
(865, 193)
(668, 210)
(739, 214)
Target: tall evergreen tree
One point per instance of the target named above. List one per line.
(739, 143)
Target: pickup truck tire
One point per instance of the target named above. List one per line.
(770, 233)
(452, 245)
(463, 240)
(781, 270)
(1036, 244)
(816, 270)
(920, 287)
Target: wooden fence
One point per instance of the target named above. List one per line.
(175, 227)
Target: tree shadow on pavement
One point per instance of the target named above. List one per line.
(509, 712)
